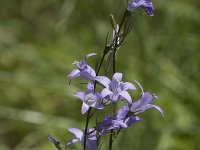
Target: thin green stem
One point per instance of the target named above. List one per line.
(116, 41)
(100, 64)
(97, 73)
(86, 128)
(110, 140)
(114, 70)
(89, 111)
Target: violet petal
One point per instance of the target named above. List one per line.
(103, 80)
(78, 133)
(128, 85)
(125, 95)
(79, 95)
(117, 77)
(105, 92)
(84, 108)
(132, 119)
(72, 141)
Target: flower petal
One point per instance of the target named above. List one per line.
(139, 85)
(88, 73)
(84, 108)
(91, 144)
(103, 80)
(128, 85)
(97, 105)
(156, 107)
(148, 106)
(72, 141)
(122, 124)
(90, 87)
(122, 112)
(118, 124)
(92, 134)
(78, 133)
(105, 92)
(89, 55)
(79, 95)
(144, 99)
(132, 119)
(114, 97)
(125, 95)
(117, 77)
(73, 74)
(145, 4)
(149, 10)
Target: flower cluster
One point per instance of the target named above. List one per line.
(111, 91)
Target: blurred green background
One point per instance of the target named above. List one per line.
(40, 39)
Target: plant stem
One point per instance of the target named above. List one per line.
(104, 54)
(116, 41)
(110, 140)
(86, 128)
(97, 73)
(114, 70)
(88, 113)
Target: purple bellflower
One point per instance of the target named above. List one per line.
(91, 141)
(83, 69)
(147, 5)
(116, 89)
(128, 119)
(89, 98)
(118, 121)
(143, 103)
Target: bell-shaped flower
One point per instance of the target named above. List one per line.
(118, 121)
(91, 141)
(144, 103)
(89, 98)
(128, 119)
(116, 89)
(147, 5)
(83, 69)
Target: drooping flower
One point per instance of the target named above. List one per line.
(144, 103)
(89, 98)
(116, 89)
(105, 125)
(83, 69)
(91, 141)
(147, 5)
(129, 119)
(118, 121)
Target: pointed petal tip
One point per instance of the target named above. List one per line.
(139, 85)
(117, 76)
(90, 54)
(72, 141)
(84, 108)
(158, 108)
(125, 95)
(79, 95)
(105, 81)
(105, 92)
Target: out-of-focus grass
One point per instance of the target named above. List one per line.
(39, 40)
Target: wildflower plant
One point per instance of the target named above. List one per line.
(113, 91)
